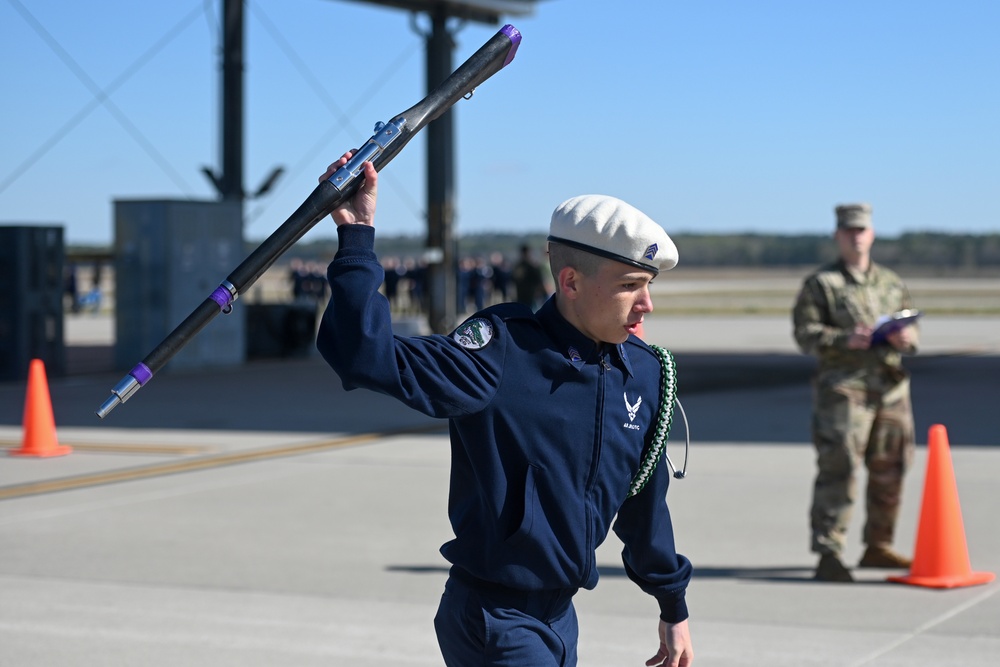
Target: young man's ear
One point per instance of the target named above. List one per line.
(569, 282)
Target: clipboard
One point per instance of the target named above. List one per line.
(888, 324)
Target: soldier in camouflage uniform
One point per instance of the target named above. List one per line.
(861, 410)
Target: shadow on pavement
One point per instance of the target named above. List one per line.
(776, 573)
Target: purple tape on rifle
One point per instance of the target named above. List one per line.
(222, 297)
(141, 373)
(515, 38)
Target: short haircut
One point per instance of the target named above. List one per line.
(561, 256)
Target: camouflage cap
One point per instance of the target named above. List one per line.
(854, 216)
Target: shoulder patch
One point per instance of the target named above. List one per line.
(474, 334)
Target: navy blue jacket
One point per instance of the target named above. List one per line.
(547, 431)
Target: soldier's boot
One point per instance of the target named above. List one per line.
(831, 568)
(884, 557)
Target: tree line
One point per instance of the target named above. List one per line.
(922, 250)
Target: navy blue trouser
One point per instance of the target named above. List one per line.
(483, 624)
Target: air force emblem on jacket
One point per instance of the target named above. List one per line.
(632, 411)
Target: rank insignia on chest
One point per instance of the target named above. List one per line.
(474, 334)
(573, 354)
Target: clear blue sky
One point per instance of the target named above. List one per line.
(713, 117)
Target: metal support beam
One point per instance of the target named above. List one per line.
(231, 179)
(442, 267)
(441, 275)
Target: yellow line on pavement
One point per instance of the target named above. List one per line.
(178, 450)
(190, 465)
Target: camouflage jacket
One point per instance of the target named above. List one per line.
(833, 301)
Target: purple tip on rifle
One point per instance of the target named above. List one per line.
(141, 373)
(515, 39)
(222, 297)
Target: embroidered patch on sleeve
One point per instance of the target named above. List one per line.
(474, 334)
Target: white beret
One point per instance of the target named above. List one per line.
(611, 228)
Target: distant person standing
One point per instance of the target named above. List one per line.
(529, 285)
(861, 409)
(500, 276)
(479, 282)
(393, 274)
(297, 277)
(70, 287)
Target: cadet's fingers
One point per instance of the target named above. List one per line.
(371, 175)
(659, 658)
(336, 165)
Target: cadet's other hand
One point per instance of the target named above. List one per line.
(675, 646)
(360, 209)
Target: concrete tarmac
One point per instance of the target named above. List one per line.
(261, 516)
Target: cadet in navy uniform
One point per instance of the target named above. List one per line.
(553, 417)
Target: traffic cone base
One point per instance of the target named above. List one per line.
(39, 438)
(956, 581)
(941, 558)
(57, 450)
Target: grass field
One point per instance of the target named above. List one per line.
(698, 291)
(773, 292)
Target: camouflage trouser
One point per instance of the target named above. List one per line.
(853, 423)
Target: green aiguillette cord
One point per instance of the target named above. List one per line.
(668, 395)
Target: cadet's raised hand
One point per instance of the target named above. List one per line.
(360, 209)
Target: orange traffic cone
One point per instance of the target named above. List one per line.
(941, 558)
(39, 423)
